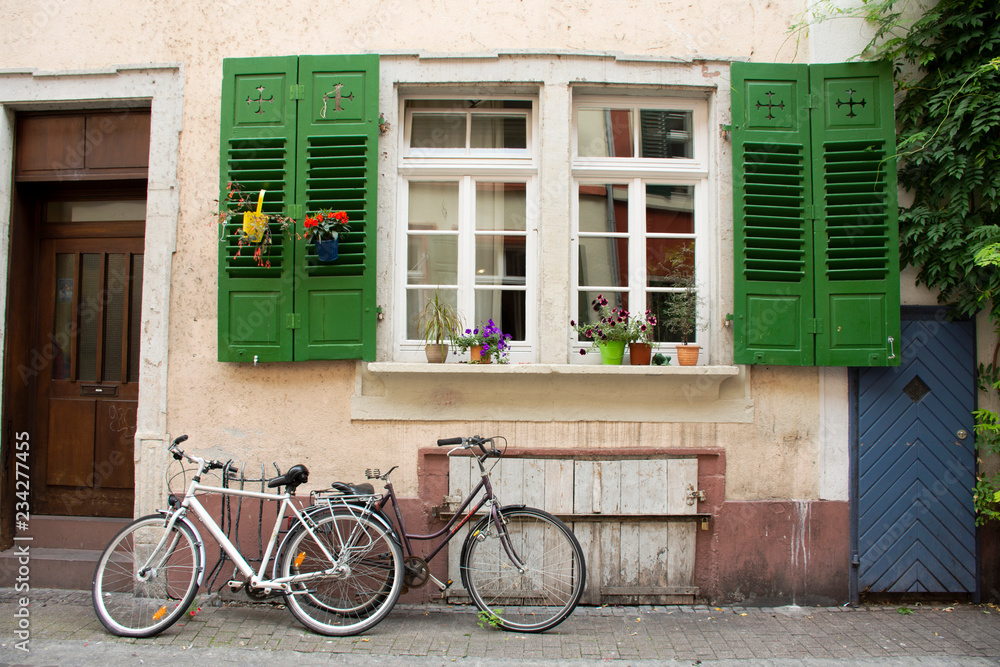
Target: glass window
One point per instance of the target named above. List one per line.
(637, 189)
(467, 227)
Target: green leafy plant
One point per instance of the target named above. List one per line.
(438, 321)
(679, 312)
(490, 618)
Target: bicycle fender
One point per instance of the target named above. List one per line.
(200, 542)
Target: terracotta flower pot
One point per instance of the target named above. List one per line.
(687, 355)
(476, 354)
(436, 354)
(640, 353)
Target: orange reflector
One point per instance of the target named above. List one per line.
(159, 613)
(301, 557)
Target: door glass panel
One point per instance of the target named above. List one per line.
(90, 310)
(62, 334)
(96, 211)
(135, 318)
(114, 317)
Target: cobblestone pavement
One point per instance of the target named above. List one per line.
(65, 631)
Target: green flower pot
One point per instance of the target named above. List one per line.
(612, 352)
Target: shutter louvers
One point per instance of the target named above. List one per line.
(257, 144)
(337, 151)
(856, 234)
(771, 198)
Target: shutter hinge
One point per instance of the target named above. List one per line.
(725, 130)
(295, 211)
(809, 212)
(813, 101)
(815, 325)
(297, 91)
(293, 321)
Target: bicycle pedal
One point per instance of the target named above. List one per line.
(235, 586)
(446, 586)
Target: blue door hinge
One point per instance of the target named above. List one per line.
(293, 321)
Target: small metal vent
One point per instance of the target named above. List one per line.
(916, 389)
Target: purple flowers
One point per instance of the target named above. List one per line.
(493, 341)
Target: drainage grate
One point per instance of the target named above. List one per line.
(916, 389)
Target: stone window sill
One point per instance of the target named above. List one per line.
(550, 392)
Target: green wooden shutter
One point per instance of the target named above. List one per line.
(337, 169)
(856, 233)
(772, 206)
(816, 273)
(257, 151)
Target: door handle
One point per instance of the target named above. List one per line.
(98, 390)
(892, 355)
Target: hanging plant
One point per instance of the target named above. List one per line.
(258, 228)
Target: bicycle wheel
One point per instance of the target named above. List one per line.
(131, 603)
(367, 582)
(554, 570)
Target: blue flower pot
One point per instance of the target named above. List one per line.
(327, 249)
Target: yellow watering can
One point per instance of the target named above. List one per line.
(255, 222)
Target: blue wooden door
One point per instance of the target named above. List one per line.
(916, 465)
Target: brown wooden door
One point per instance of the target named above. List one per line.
(89, 305)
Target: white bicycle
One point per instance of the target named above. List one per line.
(339, 570)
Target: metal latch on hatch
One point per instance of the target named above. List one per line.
(694, 495)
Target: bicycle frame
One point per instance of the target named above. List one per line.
(456, 522)
(256, 579)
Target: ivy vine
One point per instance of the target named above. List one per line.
(947, 70)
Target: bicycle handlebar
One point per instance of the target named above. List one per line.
(470, 443)
(203, 464)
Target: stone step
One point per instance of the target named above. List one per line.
(72, 532)
(48, 567)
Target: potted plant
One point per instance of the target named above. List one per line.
(640, 350)
(680, 312)
(258, 228)
(485, 343)
(436, 323)
(608, 333)
(325, 228)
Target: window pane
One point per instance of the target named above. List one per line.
(433, 206)
(665, 134)
(604, 261)
(95, 211)
(62, 334)
(437, 130)
(658, 302)
(500, 260)
(604, 208)
(432, 260)
(604, 133)
(505, 308)
(586, 308)
(670, 262)
(415, 300)
(510, 132)
(500, 207)
(114, 316)
(669, 209)
(90, 324)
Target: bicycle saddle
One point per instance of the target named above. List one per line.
(297, 474)
(362, 489)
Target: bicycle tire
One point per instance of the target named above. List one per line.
(130, 607)
(554, 577)
(355, 600)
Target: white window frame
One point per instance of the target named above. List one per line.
(466, 168)
(636, 173)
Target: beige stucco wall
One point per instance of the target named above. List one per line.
(302, 412)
